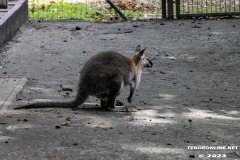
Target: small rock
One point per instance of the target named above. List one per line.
(66, 88)
(154, 133)
(195, 26)
(75, 143)
(68, 119)
(65, 124)
(78, 28)
(128, 31)
(57, 127)
(162, 117)
(191, 156)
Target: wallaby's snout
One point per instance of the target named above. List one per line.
(145, 60)
(149, 64)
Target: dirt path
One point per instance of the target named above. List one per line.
(190, 97)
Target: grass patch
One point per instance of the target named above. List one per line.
(56, 11)
(63, 10)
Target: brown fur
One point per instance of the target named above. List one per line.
(103, 76)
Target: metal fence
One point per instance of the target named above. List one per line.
(206, 8)
(93, 10)
(101, 11)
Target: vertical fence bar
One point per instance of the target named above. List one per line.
(206, 6)
(164, 9)
(170, 9)
(178, 8)
(183, 8)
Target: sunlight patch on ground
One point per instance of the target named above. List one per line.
(151, 117)
(19, 126)
(95, 121)
(202, 114)
(166, 96)
(158, 150)
(237, 113)
(5, 138)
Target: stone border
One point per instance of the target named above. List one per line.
(13, 93)
(12, 20)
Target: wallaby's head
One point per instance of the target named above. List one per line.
(140, 58)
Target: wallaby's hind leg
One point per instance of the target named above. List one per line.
(103, 103)
(111, 103)
(114, 91)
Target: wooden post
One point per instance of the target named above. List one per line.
(3, 4)
(164, 9)
(178, 8)
(170, 9)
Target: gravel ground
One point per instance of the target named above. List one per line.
(190, 97)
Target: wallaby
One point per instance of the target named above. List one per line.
(103, 76)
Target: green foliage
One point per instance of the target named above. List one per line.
(56, 11)
(61, 10)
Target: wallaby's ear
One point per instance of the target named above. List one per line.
(138, 49)
(137, 55)
(140, 53)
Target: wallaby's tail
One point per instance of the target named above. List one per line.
(80, 99)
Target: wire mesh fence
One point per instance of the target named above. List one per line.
(101, 11)
(93, 10)
(209, 7)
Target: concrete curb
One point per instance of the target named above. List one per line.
(12, 20)
(21, 83)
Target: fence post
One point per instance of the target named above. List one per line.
(164, 9)
(178, 8)
(3, 4)
(170, 9)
